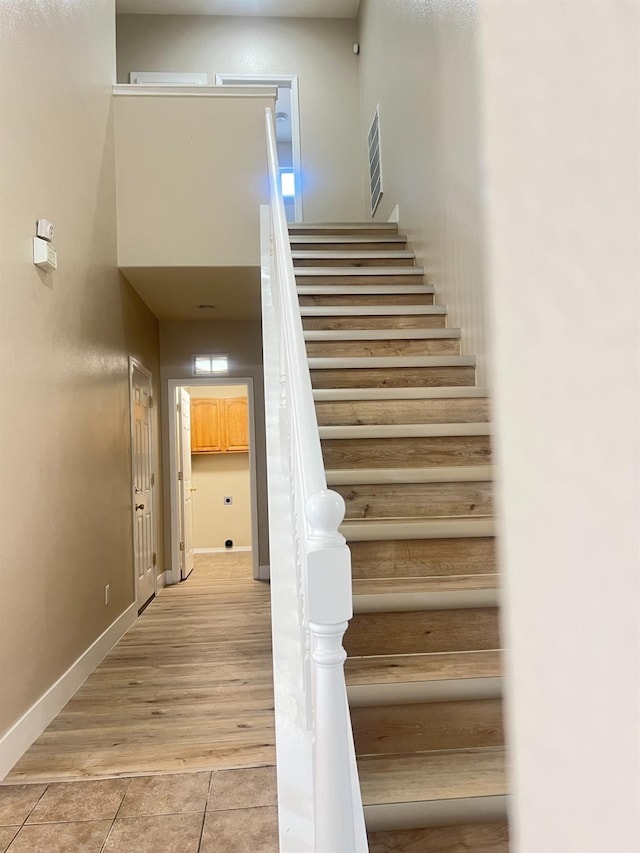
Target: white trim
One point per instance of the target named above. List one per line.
(370, 310)
(333, 271)
(132, 90)
(168, 78)
(394, 216)
(483, 809)
(375, 361)
(136, 364)
(173, 572)
(464, 527)
(285, 81)
(440, 474)
(362, 289)
(381, 335)
(222, 550)
(436, 392)
(453, 599)
(264, 572)
(33, 722)
(404, 430)
(414, 692)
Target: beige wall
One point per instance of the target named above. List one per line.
(562, 136)
(191, 176)
(64, 341)
(418, 61)
(319, 51)
(216, 475)
(179, 341)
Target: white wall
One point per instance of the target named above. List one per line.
(418, 61)
(190, 179)
(216, 475)
(561, 136)
(318, 51)
(65, 337)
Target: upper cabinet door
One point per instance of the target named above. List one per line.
(237, 424)
(207, 434)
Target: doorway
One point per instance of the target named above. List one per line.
(213, 472)
(142, 482)
(287, 133)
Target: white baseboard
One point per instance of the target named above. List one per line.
(15, 742)
(264, 572)
(222, 550)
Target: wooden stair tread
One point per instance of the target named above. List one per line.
(430, 776)
(391, 586)
(447, 666)
(425, 627)
(492, 837)
(418, 528)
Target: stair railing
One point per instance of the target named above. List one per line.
(322, 558)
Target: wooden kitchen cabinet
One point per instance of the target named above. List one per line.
(236, 424)
(219, 425)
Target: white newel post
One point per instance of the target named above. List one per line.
(329, 608)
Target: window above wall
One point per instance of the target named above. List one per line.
(210, 365)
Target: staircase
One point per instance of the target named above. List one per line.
(406, 440)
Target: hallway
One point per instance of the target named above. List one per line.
(188, 690)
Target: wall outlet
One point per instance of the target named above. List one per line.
(106, 594)
(227, 500)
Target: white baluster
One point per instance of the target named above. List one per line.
(329, 607)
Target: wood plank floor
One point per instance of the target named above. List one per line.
(189, 687)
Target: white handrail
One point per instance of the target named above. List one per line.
(322, 559)
(315, 479)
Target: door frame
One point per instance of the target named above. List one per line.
(135, 363)
(286, 81)
(173, 572)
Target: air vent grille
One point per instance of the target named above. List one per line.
(375, 165)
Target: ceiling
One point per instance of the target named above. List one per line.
(261, 8)
(174, 293)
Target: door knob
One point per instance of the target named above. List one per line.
(139, 506)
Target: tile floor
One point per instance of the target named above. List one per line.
(220, 811)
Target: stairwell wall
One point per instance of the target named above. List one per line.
(319, 51)
(418, 62)
(65, 338)
(562, 136)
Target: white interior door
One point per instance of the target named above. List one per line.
(142, 485)
(186, 490)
